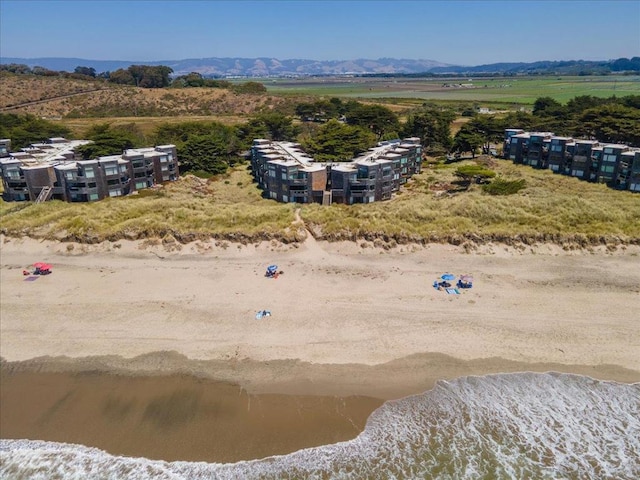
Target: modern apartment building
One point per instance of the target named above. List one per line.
(288, 174)
(537, 152)
(52, 170)
(628, 173)
(614, 164)
(582, 163)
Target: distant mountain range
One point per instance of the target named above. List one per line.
(266, 67)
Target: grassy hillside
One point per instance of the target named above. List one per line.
(58, 98)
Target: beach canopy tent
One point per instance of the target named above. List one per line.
(272, 270)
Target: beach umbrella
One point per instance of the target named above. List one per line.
(448, 276)
(42, 266)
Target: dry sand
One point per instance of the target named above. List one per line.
(347, 318)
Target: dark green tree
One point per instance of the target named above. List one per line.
(377, 118)
(212, 153)
(272, 125)
(611, 123)
(18, 68)
(467, 140)
(433, 126)
(23, 130)
(121, 77)
(337, 142)
(110, 140)
(88, 71)
(488, 127)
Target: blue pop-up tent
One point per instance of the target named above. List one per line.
(271, 270)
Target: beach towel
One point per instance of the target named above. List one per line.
(31, 278)
(453, 291)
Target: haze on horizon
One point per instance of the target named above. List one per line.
(454, 32)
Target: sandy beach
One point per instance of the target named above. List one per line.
(348, 319)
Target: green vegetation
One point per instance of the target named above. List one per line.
(110, 140)
(500, 186)
(24, 130)
(496, 92)
(476, 173)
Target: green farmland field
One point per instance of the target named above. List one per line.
(504, 90)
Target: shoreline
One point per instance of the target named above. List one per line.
(393, 380)
(163, 406)
(352, 325)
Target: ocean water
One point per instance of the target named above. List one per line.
(508, 426)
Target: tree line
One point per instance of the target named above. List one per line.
(335, 130)
(143, 76)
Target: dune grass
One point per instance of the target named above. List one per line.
(189, 209)
(432, 207)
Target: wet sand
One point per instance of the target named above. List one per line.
(173, 417)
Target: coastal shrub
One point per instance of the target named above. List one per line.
(500, 186)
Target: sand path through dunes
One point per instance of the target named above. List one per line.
(334, 304)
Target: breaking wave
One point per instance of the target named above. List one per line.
(524, 425)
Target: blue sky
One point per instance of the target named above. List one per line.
(458, 32)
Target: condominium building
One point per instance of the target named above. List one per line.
(53, 170)
(287, 174)
(616, 165)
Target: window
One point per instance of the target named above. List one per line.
(69, 175)
(115, 193)
(111, 170)
(89, 173)
(92, 185)
(141, 185)
(13, 173)
(93, 196)
(123, 169)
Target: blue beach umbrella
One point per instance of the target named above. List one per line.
(448, 276)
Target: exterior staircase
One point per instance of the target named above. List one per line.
(45, 194)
